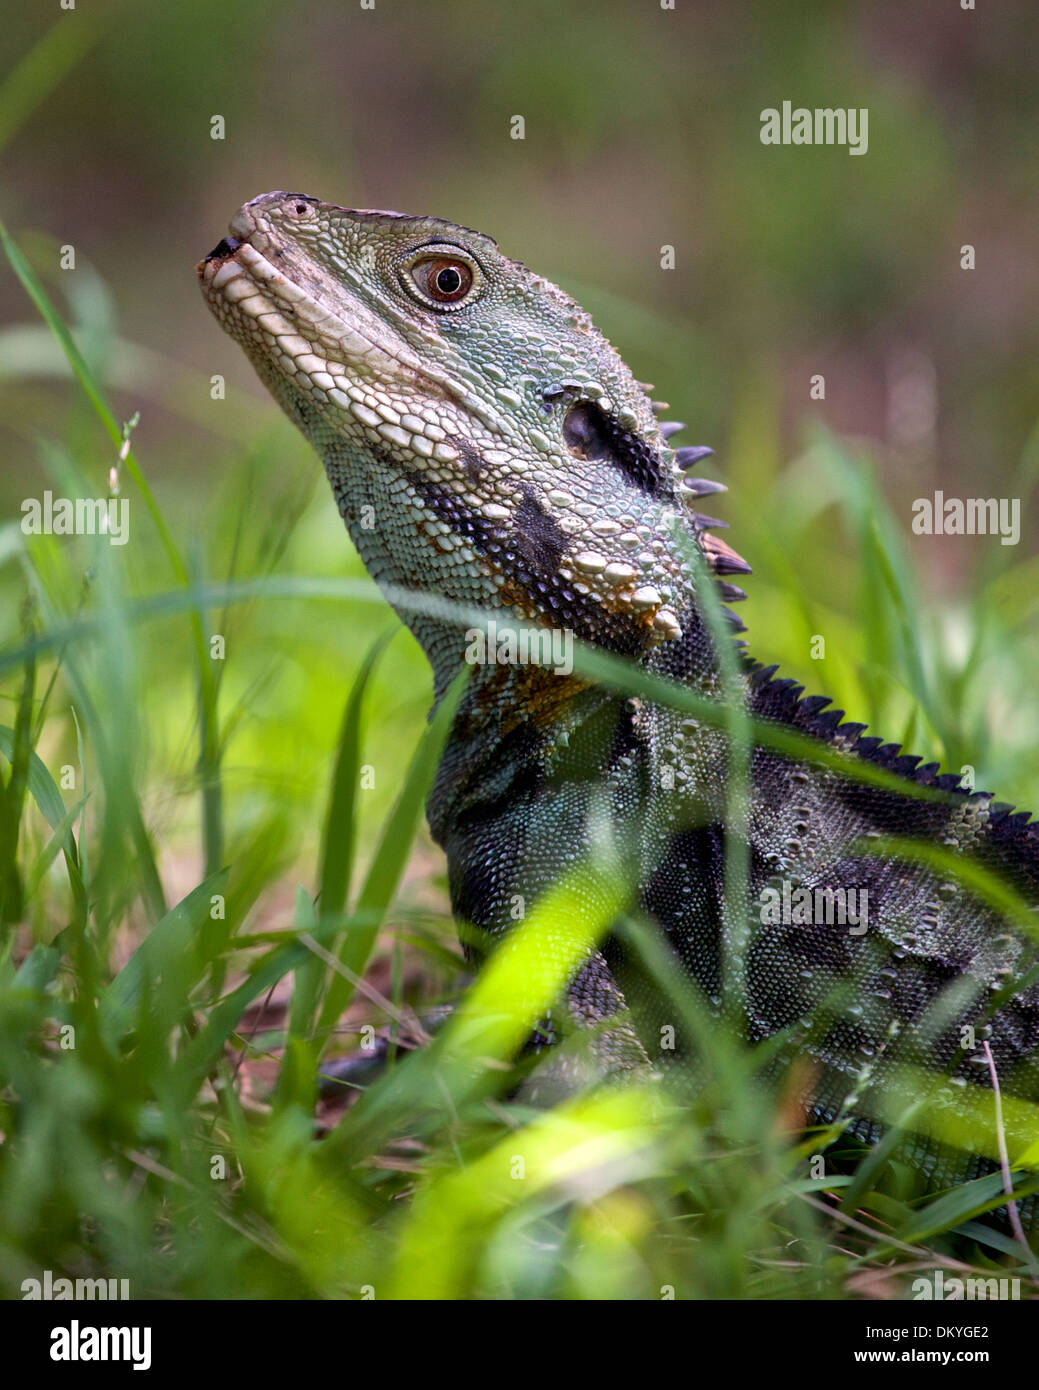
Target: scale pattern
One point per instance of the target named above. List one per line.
(486, 444)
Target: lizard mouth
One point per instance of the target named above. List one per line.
(224, 248)
(224, 252)
(233, 257)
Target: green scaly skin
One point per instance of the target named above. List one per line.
(486, 444)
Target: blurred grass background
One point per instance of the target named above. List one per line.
(642, 130)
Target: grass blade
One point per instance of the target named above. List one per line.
(391, 855)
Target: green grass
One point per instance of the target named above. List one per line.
(197, 872)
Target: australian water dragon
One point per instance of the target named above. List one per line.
(485, 443)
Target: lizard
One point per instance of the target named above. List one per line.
(486, 443)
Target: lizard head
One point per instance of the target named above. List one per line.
(484, 441)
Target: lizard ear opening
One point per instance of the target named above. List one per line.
(589, 433)
(583, 431)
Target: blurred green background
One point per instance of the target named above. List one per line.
(642, 131)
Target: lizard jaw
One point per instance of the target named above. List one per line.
(327, 325)
(308, 338)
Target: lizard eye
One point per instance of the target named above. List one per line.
(442, 276)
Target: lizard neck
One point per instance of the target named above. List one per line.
(520, 726)
(478, 572)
